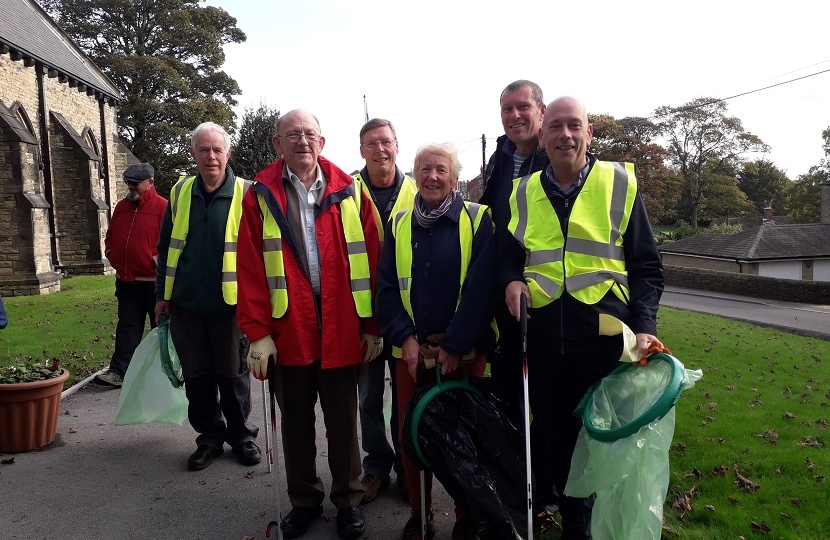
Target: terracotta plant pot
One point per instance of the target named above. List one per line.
(29, 413)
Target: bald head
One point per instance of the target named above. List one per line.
(566, 135)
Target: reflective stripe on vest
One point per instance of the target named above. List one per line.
(180, 199)
(402, 232)
(592, 260)
(359, 275)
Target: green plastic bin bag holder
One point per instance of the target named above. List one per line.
(439, 388)
(174, 374)
(662, 406)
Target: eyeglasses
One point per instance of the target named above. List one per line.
(133, 183)
(295, 137)
(386, 143)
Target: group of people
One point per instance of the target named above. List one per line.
(329, 279)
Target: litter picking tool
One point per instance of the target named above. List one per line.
(274, 454)
(523, 318)
(265, 420)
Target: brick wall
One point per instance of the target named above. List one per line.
(789, 290)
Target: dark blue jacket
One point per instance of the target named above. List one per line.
(436, 269)
(4, 319)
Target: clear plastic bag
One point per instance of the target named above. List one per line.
(630, 475)
(147, 395)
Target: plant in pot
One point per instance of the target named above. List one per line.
(30, 396)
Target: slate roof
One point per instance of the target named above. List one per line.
(26, 29)
(767, 242)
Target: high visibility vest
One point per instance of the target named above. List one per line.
(180, 198)
(405, 200)
(359, 275)
(591, 260)
(402, 232)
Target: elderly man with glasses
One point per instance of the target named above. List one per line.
(308, 247)
(130, 246)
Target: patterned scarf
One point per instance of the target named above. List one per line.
(425, 217)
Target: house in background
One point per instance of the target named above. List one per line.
(798, 251)
(60, 156)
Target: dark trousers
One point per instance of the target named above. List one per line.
(216, 377)
(136, 302)
(557, 384)
(297, 391)
(381, 457)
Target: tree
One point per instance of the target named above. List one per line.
(763, 183)
(703, 142)
(803, 197)
(630, 140)
(165, 57)
(253, 149)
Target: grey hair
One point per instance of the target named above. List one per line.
(210, 126)
(535, 90)
(376, 123)
(279, 119)
(446, 150)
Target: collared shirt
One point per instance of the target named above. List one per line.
(309, 200)
(576, 186)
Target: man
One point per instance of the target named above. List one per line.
(582, 246)
(518, 153)
(308, 248)
(130, 246)
(196, 289)
(391, 191)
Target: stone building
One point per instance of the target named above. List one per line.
(60, 156)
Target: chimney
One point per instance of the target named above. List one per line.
(767, 211)
(825, 202)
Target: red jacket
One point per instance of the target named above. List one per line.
(297, 334)
(132, 236)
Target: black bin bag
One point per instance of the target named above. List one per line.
(474, 451)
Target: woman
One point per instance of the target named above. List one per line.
(433, 254)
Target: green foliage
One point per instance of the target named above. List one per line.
(803, 197)
(682, 230)
(704, 144)
(763, 183)
(30, 371)
(165, 57)
(253, 149)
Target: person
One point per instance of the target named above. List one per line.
(432, 255)
(4, 318)
(308, 248)
(130, 246)
(195, 288)
(582, 245)
(391, 191)
(518, 153)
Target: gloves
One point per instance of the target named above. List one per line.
(260, 354)
(370, 347)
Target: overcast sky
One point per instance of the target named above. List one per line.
(436, 68)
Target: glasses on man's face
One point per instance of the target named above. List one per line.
(385, 143)
(295, 137)
(132, 183)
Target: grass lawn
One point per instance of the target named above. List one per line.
(749, 455)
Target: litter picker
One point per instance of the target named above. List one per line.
(523, 318)
(265, 421)
(274, 454)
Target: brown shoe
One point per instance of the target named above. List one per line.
(372, 485)
(412, 529)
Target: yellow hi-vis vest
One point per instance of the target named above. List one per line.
(355, 247)
(405, 200)
(590, 261)
(180, 197)
(402, 232)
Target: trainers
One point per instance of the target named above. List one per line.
(249, 453)
(372, 485)
(110, 378)
(464, 530)
(412, 529)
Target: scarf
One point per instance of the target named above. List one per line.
(425, 217)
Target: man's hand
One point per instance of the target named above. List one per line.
(162, 306)
(260, 354)
(513, 297)
(648, 344)
(409, 355)
(448, 362)
(370, 347)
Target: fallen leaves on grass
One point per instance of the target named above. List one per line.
(788, 416)
(683, 501)
(744, 483)
(770, 435)
(810, 441)
(760, 527)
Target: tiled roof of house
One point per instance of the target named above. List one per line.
(26, 31)
(767, 242)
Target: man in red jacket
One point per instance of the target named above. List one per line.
(130, 246)
(307, 251)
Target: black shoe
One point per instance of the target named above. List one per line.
(248, 452)
(202, 457)
(350, 523)
(296, 523)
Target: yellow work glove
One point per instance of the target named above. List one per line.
(370, 347)
(260, 353)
